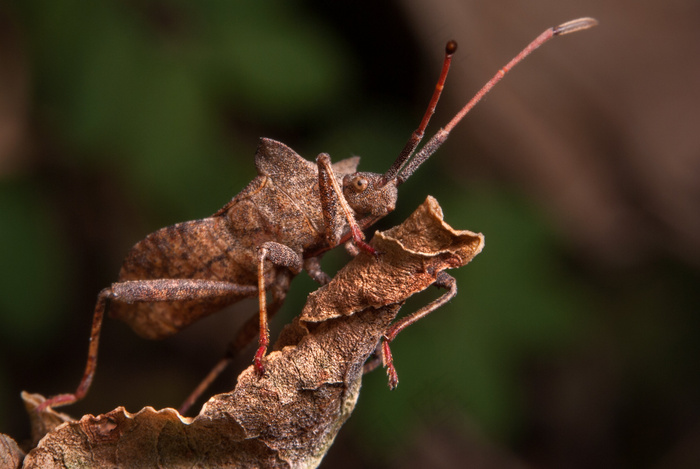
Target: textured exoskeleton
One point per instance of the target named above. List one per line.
(281, 205)
(291, 213)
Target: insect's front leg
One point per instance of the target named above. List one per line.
(134, 291)
(444, 280)
(280, 255)
(332, 203)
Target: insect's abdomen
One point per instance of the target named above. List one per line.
(201, 249)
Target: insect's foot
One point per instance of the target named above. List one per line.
(258, 360)
(368, 249)
(56, 401)
(359, 239)
(389, 363)
(393, 377)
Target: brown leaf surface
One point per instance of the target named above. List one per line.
(413, 253)
(10, 453)
(290, 416)
(44, 422)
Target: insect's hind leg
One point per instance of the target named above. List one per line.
(134, 291)
(65, 399)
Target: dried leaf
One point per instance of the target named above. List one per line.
(290, 416)
(10, 453)
(413, 253)
(44, 422)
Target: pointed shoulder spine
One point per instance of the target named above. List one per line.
(273, 158)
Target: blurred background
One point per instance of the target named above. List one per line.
(574, 341)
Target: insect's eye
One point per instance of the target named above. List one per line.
(359, 183)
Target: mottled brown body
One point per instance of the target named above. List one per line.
(277, 226)
(289, 417)
(282, 204)
(290, 214)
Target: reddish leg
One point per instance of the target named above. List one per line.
(281, 255)
(89, 373)
(141, 291)
(251, 328)
(444, 280)
(204, 384)
(333, 201)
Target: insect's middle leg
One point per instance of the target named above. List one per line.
(243, 338)
(249, 330)
(280, 255)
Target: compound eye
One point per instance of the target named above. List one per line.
(359, 183)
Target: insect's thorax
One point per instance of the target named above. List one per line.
(268, 210)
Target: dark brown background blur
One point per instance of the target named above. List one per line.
(574, 340)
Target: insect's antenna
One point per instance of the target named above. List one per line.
(417, 134)
(442, 134)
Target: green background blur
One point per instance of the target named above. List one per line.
(119, 117)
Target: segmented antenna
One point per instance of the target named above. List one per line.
(417, 134)
(403, 172)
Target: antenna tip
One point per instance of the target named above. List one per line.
(575, 25)
(451, 47)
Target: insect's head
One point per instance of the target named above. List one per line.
(375, 194)
(368, 194)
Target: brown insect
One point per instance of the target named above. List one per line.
(415, 256)
(312, 381)
(279, 225)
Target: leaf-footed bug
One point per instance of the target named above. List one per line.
(280, 224)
